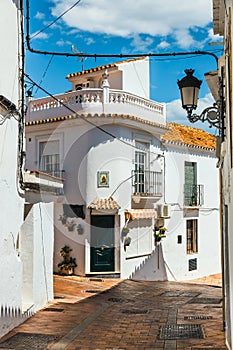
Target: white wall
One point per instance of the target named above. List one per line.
(36, 253)
(10, 201)
(208, 216)
(136, 78)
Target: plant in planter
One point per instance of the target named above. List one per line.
(125, 231)
(66, 267)
(63, 219)
(127, 241)
(159, 233)
(70, 225)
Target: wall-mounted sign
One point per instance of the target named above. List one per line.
(103, 179)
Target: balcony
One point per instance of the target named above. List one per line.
(147, 183)
(91, 101)
(193, 195)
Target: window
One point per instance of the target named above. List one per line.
(192, 236)
(190, 182)
(49, 157)
(141, 165)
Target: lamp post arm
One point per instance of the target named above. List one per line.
(210, 114)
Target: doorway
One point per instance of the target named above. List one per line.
(102, 243)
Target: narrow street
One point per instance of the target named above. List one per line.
(96, 313)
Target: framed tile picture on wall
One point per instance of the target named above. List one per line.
(103, 179)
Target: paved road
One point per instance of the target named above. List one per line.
(124, 314)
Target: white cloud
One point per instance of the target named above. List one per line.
(39, 36)
(214, 37)
(163, 45)
(139, 44)
(62, 42)
(125, 18)
(39, 15)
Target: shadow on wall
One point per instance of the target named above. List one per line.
(153, 268)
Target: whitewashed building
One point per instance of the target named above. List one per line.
(124, 166)
(26, 225)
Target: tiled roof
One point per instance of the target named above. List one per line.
(100, 68)
(84, 116)
(186, 135)
(104, 204)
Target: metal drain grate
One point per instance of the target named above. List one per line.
(198, 317)
(25, 341)
(181, 331)
(205, 301)
(135, 312)
(54, 309)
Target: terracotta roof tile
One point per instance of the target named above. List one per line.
(103, 67)
(187, 135)
(104, 204)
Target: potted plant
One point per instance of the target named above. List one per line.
(66, 267)
(70, 225)
(127, 241)
(125, 231)
(63, 219)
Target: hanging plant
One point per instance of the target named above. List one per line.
(125, 231)
(66, 267)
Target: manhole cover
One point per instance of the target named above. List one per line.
(135, 312)
(198, 317)
(25, 341)
(93, 279)
(204, 301)
(181, 331)
(54, 309)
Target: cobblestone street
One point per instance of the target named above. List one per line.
(95, 313)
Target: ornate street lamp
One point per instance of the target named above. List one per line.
(189, 89)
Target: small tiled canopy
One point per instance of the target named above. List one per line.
(104, 204)
(142, 213)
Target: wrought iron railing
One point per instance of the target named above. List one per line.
(147, 183)
(193, 195)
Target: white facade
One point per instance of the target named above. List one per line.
(222, 14)
(26, 225)
(111, 158)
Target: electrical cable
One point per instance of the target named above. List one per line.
(56, 19)
(95, 55)
(44, 74)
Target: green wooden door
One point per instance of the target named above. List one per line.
(190, 181)
(102, 243)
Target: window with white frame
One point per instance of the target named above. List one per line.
(49, 157)
(141, 166)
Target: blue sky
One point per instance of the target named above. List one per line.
(127, 27)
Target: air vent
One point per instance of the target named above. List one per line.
(193, 264)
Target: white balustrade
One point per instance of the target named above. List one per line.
(94, 96)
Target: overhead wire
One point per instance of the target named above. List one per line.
(119, 55)
(56, 19)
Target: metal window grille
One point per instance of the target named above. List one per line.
(192, 236)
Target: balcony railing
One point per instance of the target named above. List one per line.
(193, 195)
(147, 183)
(91, 101)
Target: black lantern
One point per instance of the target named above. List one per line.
(189, 90)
